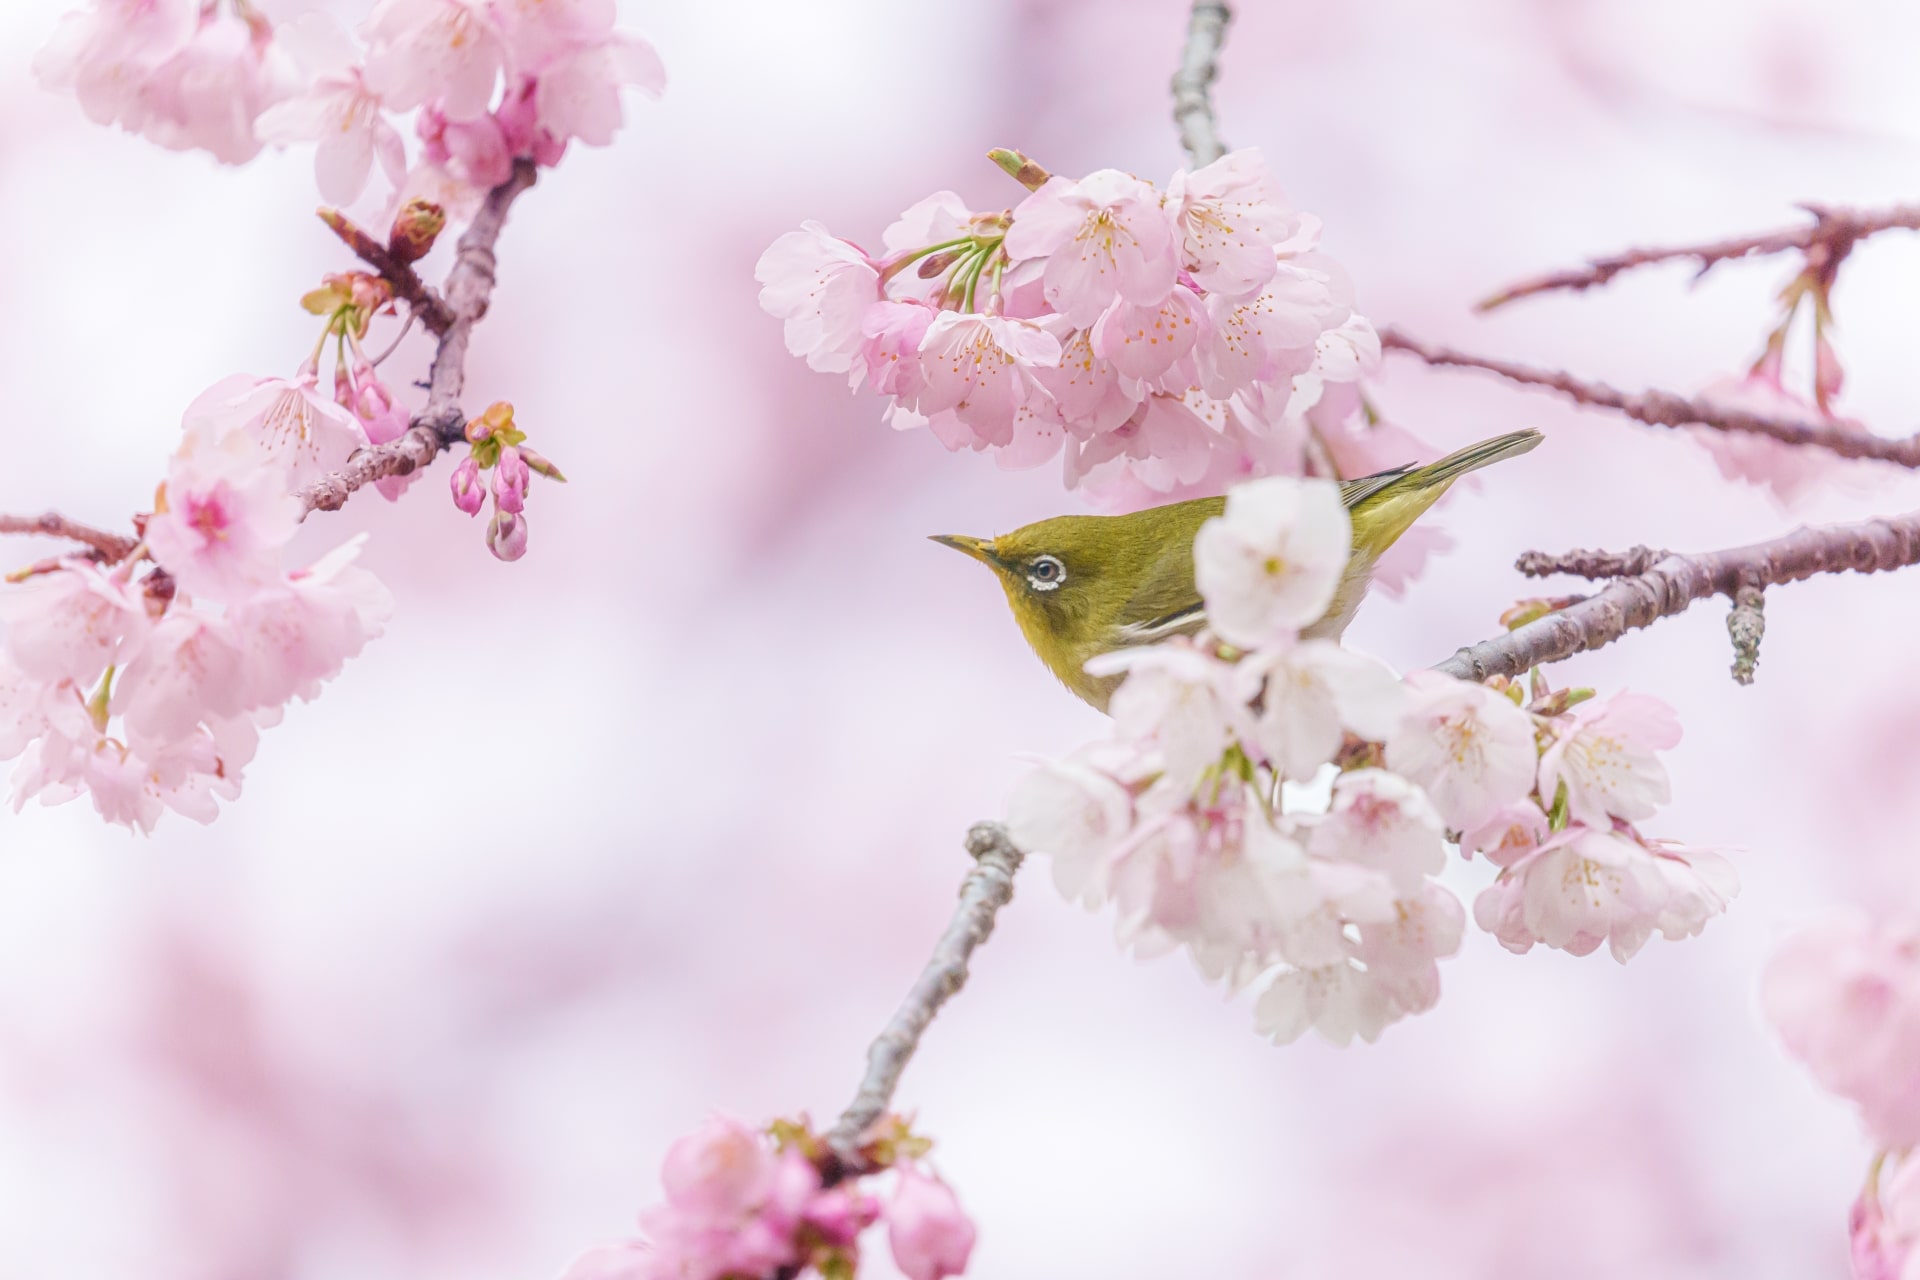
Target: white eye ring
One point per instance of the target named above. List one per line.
(1054, 583)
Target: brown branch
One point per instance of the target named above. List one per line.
(426, 303)
(1746, 624)
(1666, 409)
(1589, 564)
(1630, 603)
(112, 547)
(1193, 82)
(987, 888)
(1826, 241)
(440, 424)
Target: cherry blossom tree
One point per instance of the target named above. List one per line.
(1278, 806)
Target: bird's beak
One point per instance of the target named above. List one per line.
(979, 548)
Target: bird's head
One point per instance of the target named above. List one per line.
(1055, 576)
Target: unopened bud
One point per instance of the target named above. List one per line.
(540, 463)
(418, 224)
(469, 492)
(1023, 170)
(938, 262)
(507, 535)
(510, 481)
(497, 420)
(1828, 376)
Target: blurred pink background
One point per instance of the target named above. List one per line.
(666, 817)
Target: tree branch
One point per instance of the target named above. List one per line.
(426, 303)
(1665, 409)
(112, 547)
(440, 424)
(1826, 240)
(1193, 82)
(986, 889)
(1589, 564)
(1667, 588)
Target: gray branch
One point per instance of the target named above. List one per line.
(987, 888)
(1193, 82)
(441, 423)
(1630, 603)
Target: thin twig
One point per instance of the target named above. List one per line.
(1666, 409)
(987, 888)
(440, 424)
(1746, 624)
(1829, 237)
(432, 309)
(113, 547)
(1629, 603)
(1193, 82)
(1589, 564)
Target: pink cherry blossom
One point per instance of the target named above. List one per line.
(191, 669)
(1604, 754)
(1087, 388)
(577, 95)
(209, 94)
(104, 53)
(446, 52)
(1104, 237)
(227, 516)
(1161, 447)
(1275, 336)
(889, 357)
(339, 112)
(301, 631)
(733, 1206)
(1471, 749)
(307, 433)
(1176, 698)
(70, 625)
(1230, 216)
(930, 1233)
(1380, 820)
(721, 1169)
(1700, 884)
(1144, 342)
(936, 219)
(474, 152)
(1507, 836)
(1311, 694)
(821, 288)
(1844, 997)
(538, 31)
(1074, 814)
(981, 367)
(1339, 1000)
(1270, 564)
(1577, 890)
(1403, 953)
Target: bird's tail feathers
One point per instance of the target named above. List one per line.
(1476, 456)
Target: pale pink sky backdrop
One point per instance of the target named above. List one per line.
(666, 816)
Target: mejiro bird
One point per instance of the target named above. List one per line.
(1081, 586)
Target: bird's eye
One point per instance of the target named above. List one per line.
(1046, 573)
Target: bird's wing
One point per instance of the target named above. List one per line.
(1181, 622)
(1166, 603)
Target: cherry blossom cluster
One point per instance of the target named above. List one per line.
(495, 444)
(1845, 999)
(747, 1205)
(145, 685)
(1164, 342)
(492, 81)
(1281, 806)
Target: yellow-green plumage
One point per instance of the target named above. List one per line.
(1118, 581)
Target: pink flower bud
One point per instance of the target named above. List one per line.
(722, 1169)
(468, 490)
(510, 480)
(507, 535)
(932, 1237)
(1827, 373)
(840, 1215)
